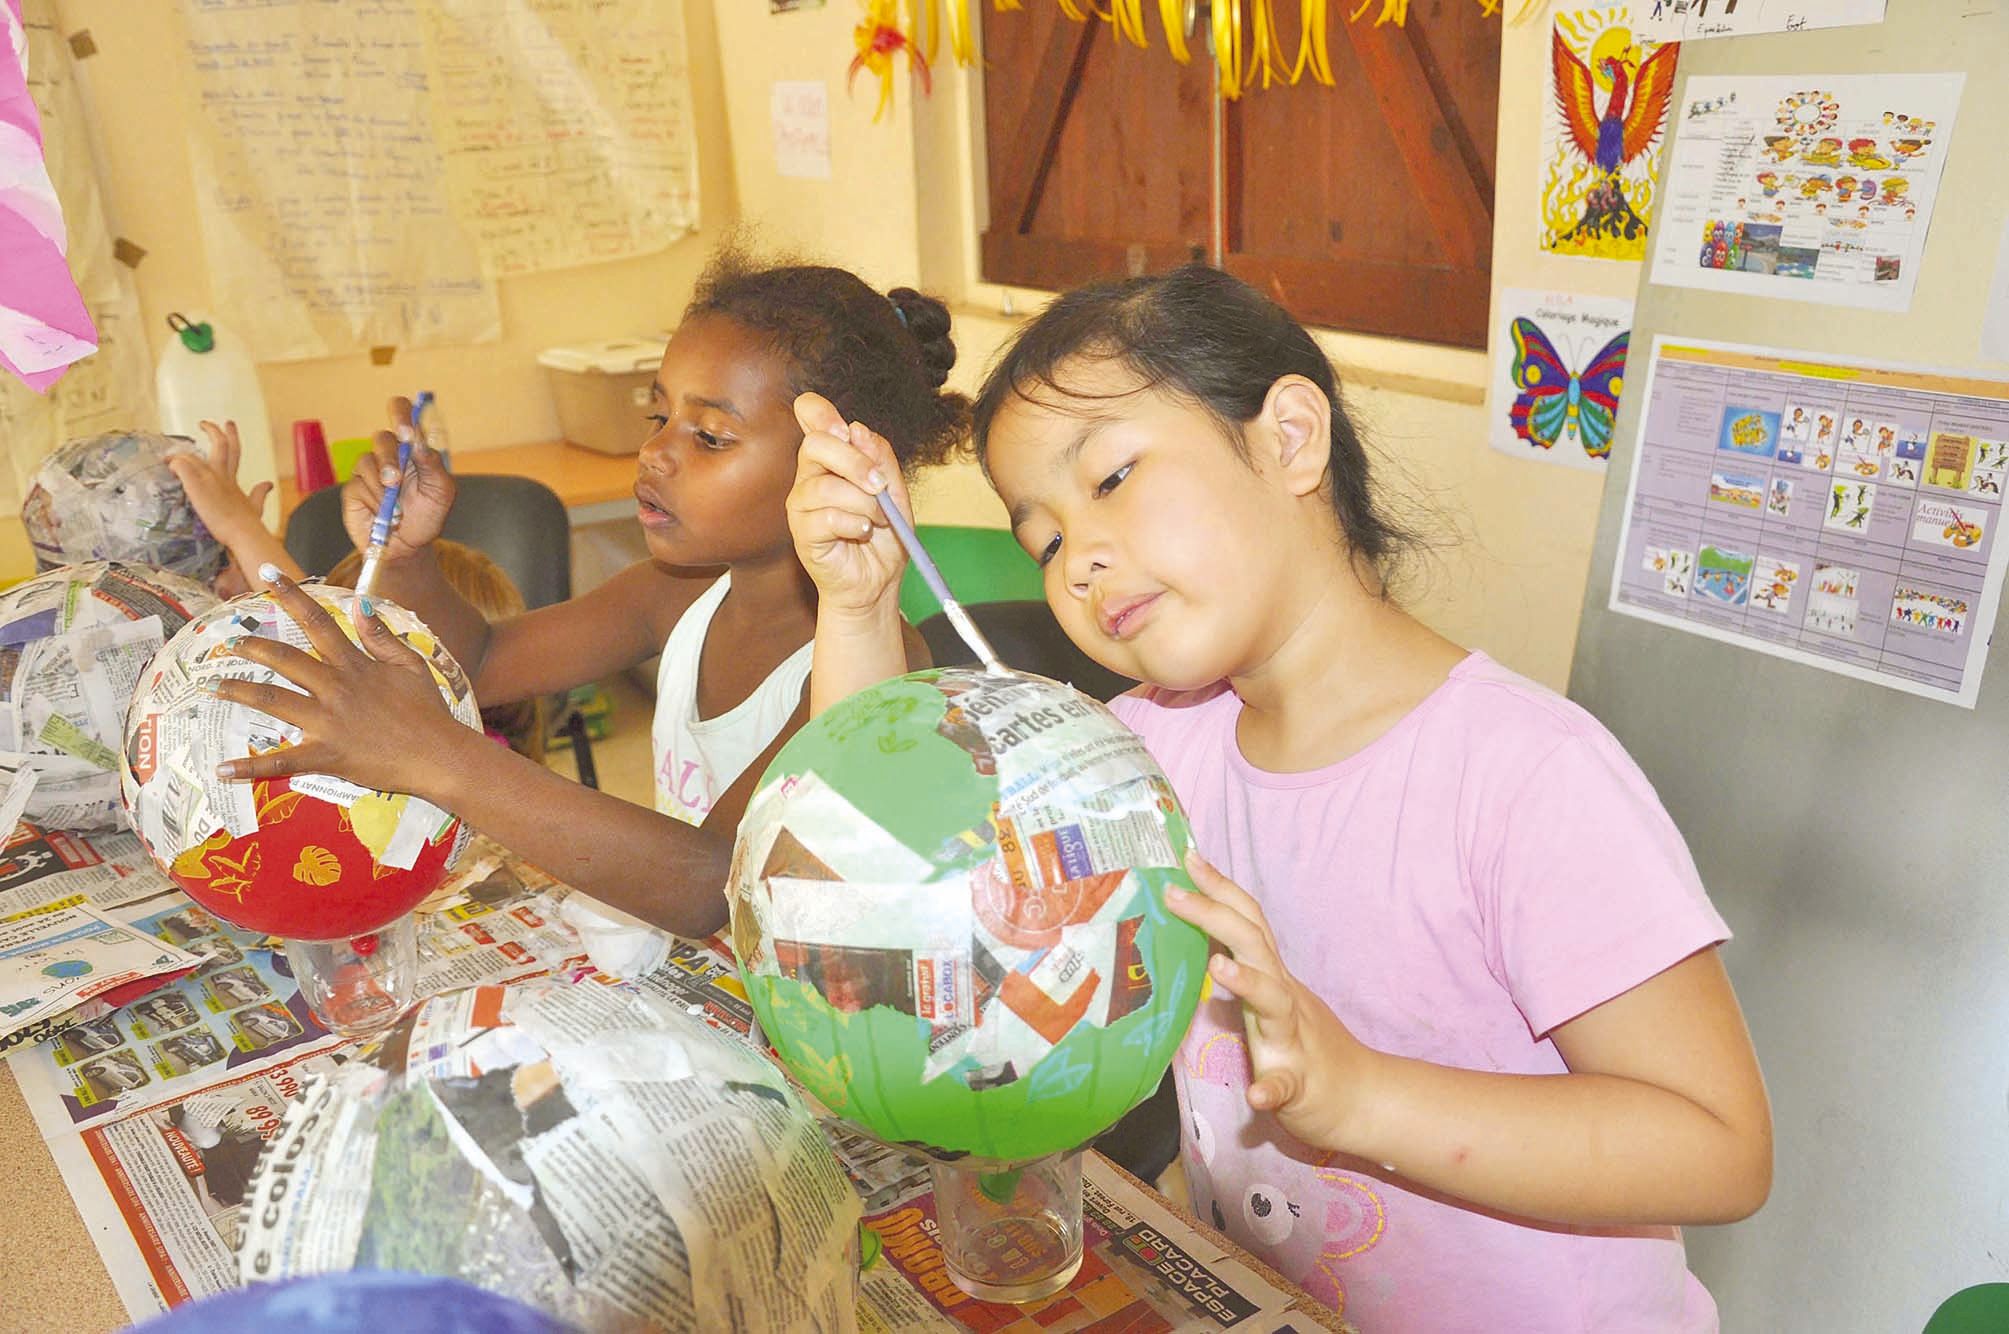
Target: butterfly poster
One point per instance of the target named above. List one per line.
(1558, 367)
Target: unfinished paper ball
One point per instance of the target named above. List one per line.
(113, 497)
(311, 857)
(587, 1148)
(72, 643)
(948, 904)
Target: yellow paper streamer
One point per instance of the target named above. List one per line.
(924, 27)
(877, 37)
(962, 34)
(1228, 46)
(915, 27)
(1127, 16)
(1172, 15)
(1265, 55)
(1311, 48)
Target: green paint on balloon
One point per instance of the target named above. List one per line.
(898, 757)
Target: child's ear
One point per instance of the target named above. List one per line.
(1298, 419)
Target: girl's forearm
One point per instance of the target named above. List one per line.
(661, 870)
(1577, 1149)
(853, 651)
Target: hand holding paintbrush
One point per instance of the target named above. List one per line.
(848, 514)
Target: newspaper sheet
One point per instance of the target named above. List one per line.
(163, 1190)
(52, 961)
(242, 1010)
(163, 1184)
(238, 1013)
(40, 867)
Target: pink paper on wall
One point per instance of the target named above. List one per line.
(44, 327)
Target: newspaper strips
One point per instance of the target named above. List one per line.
(113, 496)
(178, 731)
(163, 1190)
(613, 1150)
(73, 643)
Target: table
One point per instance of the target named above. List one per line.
(595, 487)
(57, 1280)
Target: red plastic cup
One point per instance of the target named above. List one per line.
(312, 469)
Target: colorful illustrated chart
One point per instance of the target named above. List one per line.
(1806, 187)
(1840, 514)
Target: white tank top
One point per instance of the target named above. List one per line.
(697, 760)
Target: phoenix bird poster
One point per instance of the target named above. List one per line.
(1558, 369)
(1604, 127)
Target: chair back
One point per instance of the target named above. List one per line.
(517, 522)
(980, 565)
(1026, 636)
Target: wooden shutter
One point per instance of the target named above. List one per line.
(1098, 151)
(1368, 206)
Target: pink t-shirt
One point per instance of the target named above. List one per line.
(1491, 867)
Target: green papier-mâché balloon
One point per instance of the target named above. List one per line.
(948, 906)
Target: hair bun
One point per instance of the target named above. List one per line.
(928, 321)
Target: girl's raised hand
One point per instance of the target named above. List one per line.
(372, 715)
(234, 517)
(422, 505)
(841, 535)
(1305, 1068)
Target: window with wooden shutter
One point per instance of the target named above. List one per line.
(1097, 152)
(1366, 206)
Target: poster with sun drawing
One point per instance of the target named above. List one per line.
(1603, 128)
(1558, 367)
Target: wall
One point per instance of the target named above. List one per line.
(903, 205)
(905, 201)
(494, 392)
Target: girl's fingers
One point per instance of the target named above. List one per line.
(384, 452)
(1263, 994)
(1223, 890)
(381, 644)
(1243, 938)
(886, 464)
(258, 494)
(302, 669)
(1274, 1089)
(814, 412)
(835, 454)
(829, 525)
(282, 763)
(219, 443)
(288, 706)
(827, 491)
(322, 632)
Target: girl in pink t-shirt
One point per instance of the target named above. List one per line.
(1472, 1057)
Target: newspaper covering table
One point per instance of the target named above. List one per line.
(159, 1173)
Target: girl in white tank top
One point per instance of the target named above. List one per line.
(712, 482)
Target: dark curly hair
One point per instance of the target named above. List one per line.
(1212, 339)
(882, 359)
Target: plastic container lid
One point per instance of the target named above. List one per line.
(616, 356)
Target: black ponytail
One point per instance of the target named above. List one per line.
(881, 360)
